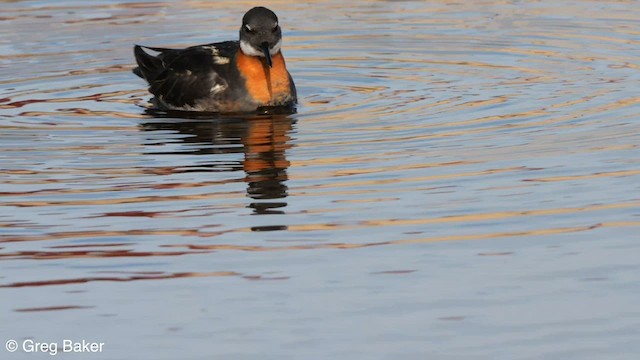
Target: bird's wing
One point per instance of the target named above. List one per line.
(180, 77)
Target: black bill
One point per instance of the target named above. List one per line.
(265, 49)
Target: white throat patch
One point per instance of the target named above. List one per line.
(251, 51)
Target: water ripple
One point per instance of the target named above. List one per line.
(487, 152)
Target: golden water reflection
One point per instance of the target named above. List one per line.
(472, 165)
(263, 141)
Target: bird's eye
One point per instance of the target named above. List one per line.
(248, 28)
(275, 28)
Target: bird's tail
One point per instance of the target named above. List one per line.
(149, 66)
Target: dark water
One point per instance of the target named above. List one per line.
(461, 181)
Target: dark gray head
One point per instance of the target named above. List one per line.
(260, 34)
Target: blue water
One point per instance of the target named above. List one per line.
(460, 182)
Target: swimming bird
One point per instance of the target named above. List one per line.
(228, 76)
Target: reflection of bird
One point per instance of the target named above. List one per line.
(228, 76)
(264, 141)
(265, 163)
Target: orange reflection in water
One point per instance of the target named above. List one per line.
(263, 140)
(118, 279)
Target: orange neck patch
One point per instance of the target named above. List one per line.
(267, 86)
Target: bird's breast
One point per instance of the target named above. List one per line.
(265, 85)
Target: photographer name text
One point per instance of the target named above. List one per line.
(53, 348)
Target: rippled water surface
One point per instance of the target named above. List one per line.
(461, 181)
